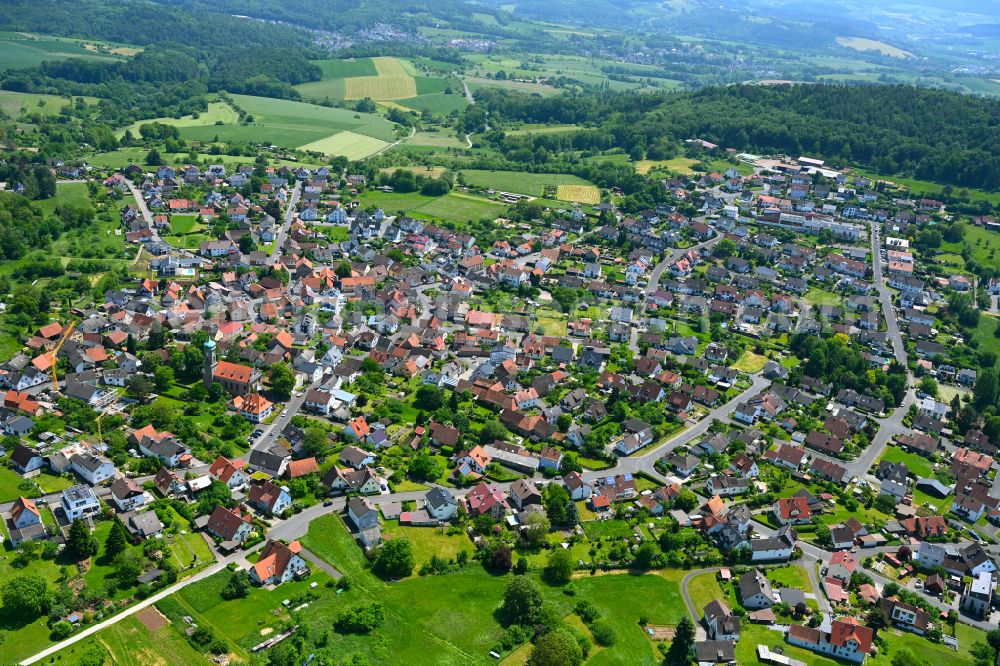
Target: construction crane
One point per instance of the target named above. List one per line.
(52, 355)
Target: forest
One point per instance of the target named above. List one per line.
(143, 23)
(930, 134)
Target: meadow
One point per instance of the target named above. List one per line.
(19, 50)
(13, 103)
(297, 124)
(522, 182)
(218, 112)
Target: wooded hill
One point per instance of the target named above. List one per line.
(931, 134)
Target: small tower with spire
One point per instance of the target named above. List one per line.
(208, 374)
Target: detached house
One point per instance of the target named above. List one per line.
(229, 525)
(845, 640)
(278, 563)
(270, 498)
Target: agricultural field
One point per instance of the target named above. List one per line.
(438, 102)
(384, 79)
(351, 145)
(296, 124)
(678, 165)
(458, 207)
(862, 44)
(14, 103)
(434, 139)
(218, 113)
(476, 83)
(19, 50)
(530, 128)
(587, 194)
(522, 182)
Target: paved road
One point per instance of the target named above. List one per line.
(143, 208)
(290, 209)
(671, 257)
(645, 462)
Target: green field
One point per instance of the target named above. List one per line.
(342, 69)
(437, 102)
(521, 182)
(917, 464)
(437, 139)
(183, 224)
(351, 145)
(218, 112)
(13, 103)
(448, 619)
(18, 50)
(986, 333)
(291, 124)
(383, 78)
(460, 207)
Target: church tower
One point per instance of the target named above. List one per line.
(208, 374)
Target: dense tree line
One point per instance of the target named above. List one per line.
(23, 227)
(931, 134)
(143, 23)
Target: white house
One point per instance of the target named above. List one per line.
(79, 501)
(441, 503)
(92, 469)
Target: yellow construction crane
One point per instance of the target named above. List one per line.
(52, 354)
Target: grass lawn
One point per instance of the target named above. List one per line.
(427, 541)
(446, 619)
(522, 182)
(750, 362)
(49, 483)
(551, 323)
(931, 653)
(67, 194)
(182, 224)
(705, 588)
(11, 486)
(753, 635)
(986, 333)
(790, 576)
(817, 296)
(917, 464)
(607, 529)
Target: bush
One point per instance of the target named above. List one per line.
(587, 611)
(603, 632)
(359, 619)
(512, 637)
(61, 630)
